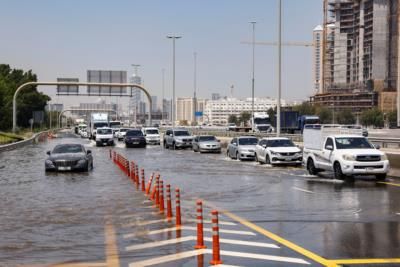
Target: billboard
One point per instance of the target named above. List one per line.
(67, 89)
(106, 76)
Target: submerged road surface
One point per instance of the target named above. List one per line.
(270, 216)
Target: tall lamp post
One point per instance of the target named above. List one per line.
(252, 80)
(173, 37)
(195, 87)
(278, 109)
(162, 101)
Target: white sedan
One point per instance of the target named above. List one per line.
(278, 150)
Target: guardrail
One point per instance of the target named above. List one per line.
(386, 142)
(36, 138)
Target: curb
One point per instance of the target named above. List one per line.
(33, 140)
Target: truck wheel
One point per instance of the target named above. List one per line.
(311, 167)
(337, 169)
(380, 177)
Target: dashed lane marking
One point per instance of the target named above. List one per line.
(394, 184)
(302, 190)
(187, 254)
(143, 223)
(191, 238)
(166, 230)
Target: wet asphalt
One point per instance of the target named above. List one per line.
(61, 217)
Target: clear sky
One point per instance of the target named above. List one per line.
(65, 38)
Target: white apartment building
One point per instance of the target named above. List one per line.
(185, 109)
(218, 111)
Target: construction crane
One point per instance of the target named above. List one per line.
(305, 44)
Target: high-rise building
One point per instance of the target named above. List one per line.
(215, 96)
(317, 58)
(166, 109)
(154, 103)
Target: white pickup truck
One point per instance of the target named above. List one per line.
(344, 151)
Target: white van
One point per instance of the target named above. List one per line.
(104, 136)
(152, 135)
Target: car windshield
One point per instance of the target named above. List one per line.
(248, 141)
(115, 124)
(182, 133)
(60, 149)
(104, 131)
(134, 133)
(100, 124)
(280, 143)
(207, 138)
(123, 130)
(352, 143)
(153, 131)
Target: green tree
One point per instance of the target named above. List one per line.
(233, 119)
(372, 117)
(325, 114)
(345, 116)
(244, 117)
(305, 108)
(28, 100)
(392, 118)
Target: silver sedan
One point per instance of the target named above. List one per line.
(242, 148)
(206, 143)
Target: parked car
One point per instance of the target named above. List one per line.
(69, 157)
(206, 143)
(278, 150)
(120, 134)
(104, 137)
(231, 127)
(135, 138)
(152, 135)
(242, 148)
(177, 138)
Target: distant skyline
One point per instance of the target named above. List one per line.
(66, 38)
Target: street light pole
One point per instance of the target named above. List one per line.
(195, 85)
(278, 110)
(173, 37)
(162, 101)
(252, 80)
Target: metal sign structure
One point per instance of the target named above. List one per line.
(117, 85)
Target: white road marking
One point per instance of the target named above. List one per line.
(225, 265)
(187, 254)
(160, 243)
(263, 257)
(208, 221)
(357, 211)
(166, 220)
(169, 258)
(166, 230)
(302, 190)
(192, 237)
(327, 180)
(243, 243)
(127, 216)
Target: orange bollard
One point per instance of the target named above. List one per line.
(178, 220)
(143, 181)
(153, 193)
(137, 177)
(157, 197)
(200, 236)
(131, 170)
(149, 184)
(162, 197)
(216, 257)
(169, 204)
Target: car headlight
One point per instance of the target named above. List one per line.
(384, 157)
(82, 161)
(298, 154)
(273, 153)
(178, 140)
(349, 157)
(49, 162)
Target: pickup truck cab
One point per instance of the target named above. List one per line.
(345, 154)
(177, 138)
(104, 136)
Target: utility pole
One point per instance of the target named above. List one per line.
(194, 87)
(252, 80)
(398, 65)
(173, 37)
(163, 87)
(278, 110)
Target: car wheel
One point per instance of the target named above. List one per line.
(174, 146)
(227, 154)
(165, 145)
(311, 167)
(237, 156)
(337, 169)
(380, 177)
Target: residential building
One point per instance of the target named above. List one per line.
(185, 109)
(154, 103)
(218, 111)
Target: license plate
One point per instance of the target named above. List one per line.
(104, 144)
(369, 169)
(64, 168)
(287, 159)
(135, 143)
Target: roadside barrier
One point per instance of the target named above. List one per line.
(157, 202)
(178, 220)
(216, 257)
(137, 177)
(200, 236)
(143, 181)
(161, 197)
(147, 192)
(169, 204)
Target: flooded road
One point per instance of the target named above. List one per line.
(53, 218)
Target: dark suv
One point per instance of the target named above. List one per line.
(135, 138)
(177, 138)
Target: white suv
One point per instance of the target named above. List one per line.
(152, 135)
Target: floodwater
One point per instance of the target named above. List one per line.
(49, 218)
